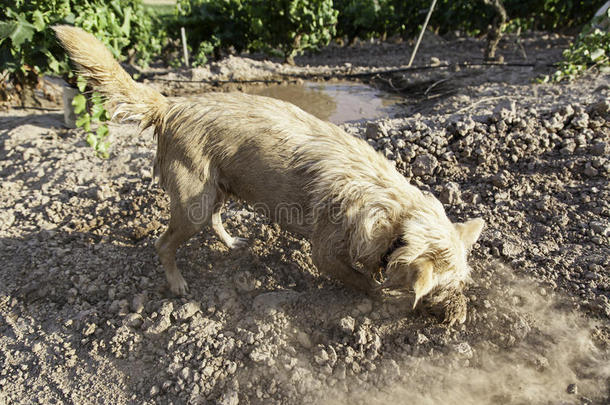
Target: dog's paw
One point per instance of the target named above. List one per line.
(238, 243)
(455, 310)
(178, 285)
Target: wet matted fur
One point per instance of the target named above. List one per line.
(308, 175)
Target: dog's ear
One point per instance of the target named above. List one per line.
(470, 231)
(423, 280)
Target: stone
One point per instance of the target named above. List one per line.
(424, 165)
(451, 193)
(229, 398)
(347, 324)
(137, 304)
(464, 350)
(601, 148)
(590, 171)
(186, 311)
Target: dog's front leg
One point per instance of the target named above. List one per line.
(450, 304)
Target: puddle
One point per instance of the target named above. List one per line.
(335, 102)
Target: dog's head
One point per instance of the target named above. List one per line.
(432, 253)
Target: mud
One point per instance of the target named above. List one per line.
(85, 315)
(337, 102)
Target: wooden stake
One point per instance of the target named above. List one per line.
(184, 47)
(421, 34)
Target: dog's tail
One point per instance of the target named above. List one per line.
(135, 101)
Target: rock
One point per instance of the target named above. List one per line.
(424, 165)
(163, 321)
(347, 324)
(133, 320)
(600, 228)
(601, 107)
(375, 130)
(417, 338)
(504, 111)
(89, 329)
(361, 336)
(137, 304)
(185, 374)
(229, 398)
(601, 148)
(274, 299)
(590, 171)
(572, 389)
(463, 127)
(304, 339)
(464, 350)
(154, 390)
(580, 121)
(245, 282)
(451, 194)
(186, 311)
(321, 357)
(400, 143)
(7, 219)
(511, 250)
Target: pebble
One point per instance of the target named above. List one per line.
(572, 389)
(137, 304)
(186, 311)
(424, 165)
(347, 324)
(450, 194)
(229, 398)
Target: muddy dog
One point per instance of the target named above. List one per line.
(361, 215)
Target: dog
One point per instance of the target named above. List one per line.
(368, 226)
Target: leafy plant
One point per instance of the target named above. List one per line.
(591, 49)
(287, 27)
(92, 112)
(212, 26)
(291, 26)
(375, 18)
(28, 47)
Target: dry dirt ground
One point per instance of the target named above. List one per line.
(85, 315)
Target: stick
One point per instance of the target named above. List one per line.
(483, 100)
(421, 34)
(184, 48)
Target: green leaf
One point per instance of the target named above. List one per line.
(102, 131)
(91, 140)
(79, 102)
(84, 122)
(125, 28)
(6, 29)
(81, 83)
(38, 21)
(24, 31)
(597, 54)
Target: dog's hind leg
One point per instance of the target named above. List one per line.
(192, 204)
(231, 241)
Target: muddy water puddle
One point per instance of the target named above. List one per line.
(336, 102)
